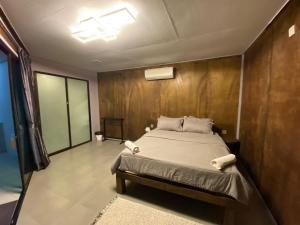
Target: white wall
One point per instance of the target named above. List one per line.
(51, 67)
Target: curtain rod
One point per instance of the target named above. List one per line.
(9, 29)
(8, 45)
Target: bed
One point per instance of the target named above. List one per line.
(179, 162)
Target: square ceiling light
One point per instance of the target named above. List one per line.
(89, 23)
(87, 30)
(87, 35)
(94, 34)
(106, 26)
(116, 19)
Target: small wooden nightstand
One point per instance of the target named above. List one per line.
(233, 145)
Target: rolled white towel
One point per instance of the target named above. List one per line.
(223, 161)
(132, 147)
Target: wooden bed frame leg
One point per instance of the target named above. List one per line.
(121, 186)
(228, 216)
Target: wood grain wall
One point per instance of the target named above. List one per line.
(208, 88)
(271, 113)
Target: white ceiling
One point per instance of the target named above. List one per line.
(165, 31)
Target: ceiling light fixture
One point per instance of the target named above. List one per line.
(87, 35)
(89, 23)
(106, 26)
(116, 19)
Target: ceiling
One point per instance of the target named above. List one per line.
(165, 31)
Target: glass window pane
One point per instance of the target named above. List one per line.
(53, 111)
(10, 177)
(79, 111)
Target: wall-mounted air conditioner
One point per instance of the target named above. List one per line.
(159, 73)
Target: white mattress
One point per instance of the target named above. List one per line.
(184, 158)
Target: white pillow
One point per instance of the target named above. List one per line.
(167, 123)
(197, 125)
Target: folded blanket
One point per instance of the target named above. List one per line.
(223, 161)
(132, 147)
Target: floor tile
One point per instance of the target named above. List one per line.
(78, 184)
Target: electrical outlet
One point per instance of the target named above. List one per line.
(292, 31)
(224, 131)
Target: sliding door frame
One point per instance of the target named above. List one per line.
(68, 108)
(10, 57)
(25, 183)
(8, 29)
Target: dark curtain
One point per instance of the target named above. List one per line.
(40, 155)
(24, 148)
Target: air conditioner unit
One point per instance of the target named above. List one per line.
(159, 73)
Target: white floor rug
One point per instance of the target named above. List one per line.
(125, 212)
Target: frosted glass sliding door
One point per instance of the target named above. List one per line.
(53, 112)
(64, 111)
(79, 111)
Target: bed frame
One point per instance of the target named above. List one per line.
(229, 204)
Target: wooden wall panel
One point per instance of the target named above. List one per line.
(142, 103)
(271, 145)
(112, 104)
(282, 147)
(127, 94)
(254, 104)
(187, 94)
(223, 91)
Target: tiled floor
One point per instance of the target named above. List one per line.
(78, 185)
